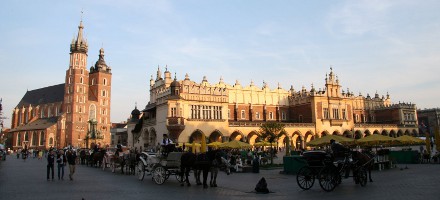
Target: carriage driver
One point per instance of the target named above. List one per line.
(118, 149)
(166, 141)
(339, 151)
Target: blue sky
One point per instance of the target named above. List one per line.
(373, 45)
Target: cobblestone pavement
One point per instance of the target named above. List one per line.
(27, 180)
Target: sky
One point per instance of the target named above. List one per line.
(373, 45)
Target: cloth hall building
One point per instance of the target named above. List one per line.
(185, 110)
(75, 113)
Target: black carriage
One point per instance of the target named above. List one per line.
(329, 171)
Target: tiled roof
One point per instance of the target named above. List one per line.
(44, 95)
(38, 124)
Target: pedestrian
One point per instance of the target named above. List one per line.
(50, 163)
(61, 161)
(71, 158)
(40, 154)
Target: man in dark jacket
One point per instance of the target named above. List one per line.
(50, 163)
(71, 157)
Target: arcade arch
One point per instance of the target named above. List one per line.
(216, 136)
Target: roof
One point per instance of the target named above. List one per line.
(44, 95)
(38, 124)
(119, 125)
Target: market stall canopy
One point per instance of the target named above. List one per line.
(189, 144)
(235, 144)
(214, 144)
(409, 140)
(264, 143)
(325, 140)
(375, 139)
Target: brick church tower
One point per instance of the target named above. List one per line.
(86, 98)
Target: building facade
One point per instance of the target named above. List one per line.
(429, 121)
(75, 113)
(185, 110)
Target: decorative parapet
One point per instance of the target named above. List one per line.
(150, 122)
(379, 126)
(175, 121)
(258, 124)
(207, 120)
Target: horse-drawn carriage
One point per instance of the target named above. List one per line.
(159, 166)
(118, 160)
(329, 171)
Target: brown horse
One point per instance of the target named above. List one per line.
(97, 158)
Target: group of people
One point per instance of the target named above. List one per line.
(62, 158)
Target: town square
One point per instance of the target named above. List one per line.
(219, 99)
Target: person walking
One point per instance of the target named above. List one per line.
(50, 163)
(71, 157)
(61, 161)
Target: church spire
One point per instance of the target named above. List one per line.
(79, 44)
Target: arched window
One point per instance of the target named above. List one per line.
(93, 81)
(51, 141)
(70, 80)
(26, 137)
(104, 81)
(41, 138)
(92, 112)
(103, 93)
(34, 139)
(18, 139)
(81, 79)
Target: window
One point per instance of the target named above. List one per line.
(257, 115)
(34, 139)
(103, 93)
(104, 81)
(335, 113)
(81, 78)
(270, 115)
(326, 114)
(173, 112)
(283, 115)
(229, 113)
(243, 114)
(357, 118)
(18, 139)
(41, 138)
(344, 114)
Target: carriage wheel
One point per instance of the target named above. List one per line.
(305, 178)
(328, 178)
(141, 171)
(159, 175)
(362, 176)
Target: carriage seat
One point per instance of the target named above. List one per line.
(316, 158)
(173, 159)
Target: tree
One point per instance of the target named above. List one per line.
(271, 132)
